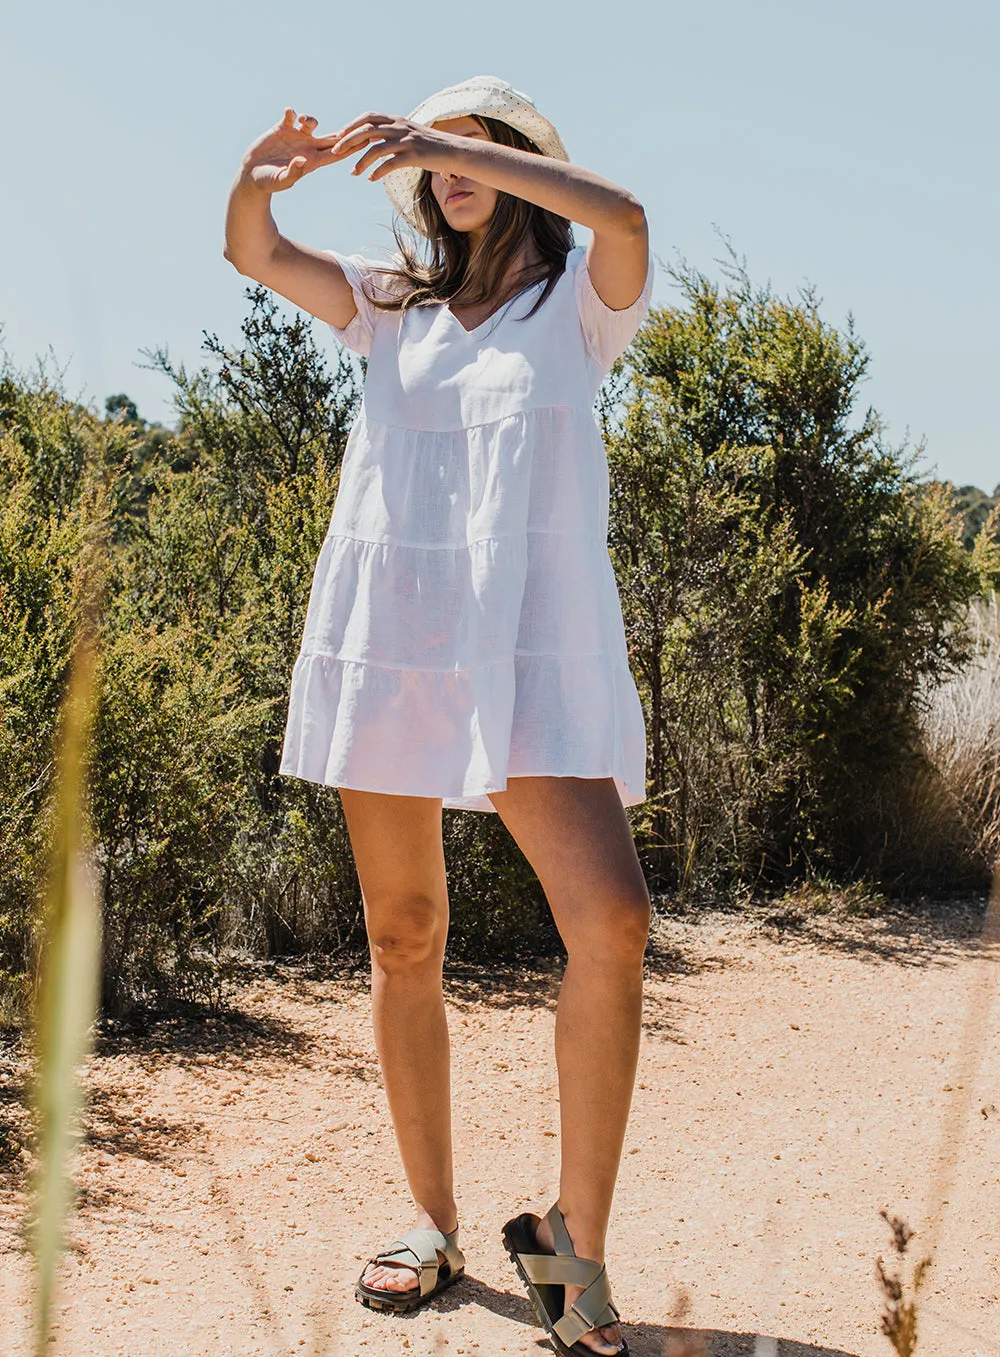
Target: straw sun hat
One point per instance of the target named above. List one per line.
(488, 96)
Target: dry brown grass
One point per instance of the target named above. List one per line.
(961, 735)
(899, 1283)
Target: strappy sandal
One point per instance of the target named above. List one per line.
(423, 1247)
(546, 1275)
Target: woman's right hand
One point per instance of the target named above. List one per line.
(286, 152)
(306, 277)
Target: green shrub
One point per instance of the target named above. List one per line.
(498, 908)
(57, 483)
(788, 585)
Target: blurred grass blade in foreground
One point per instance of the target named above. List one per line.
(66, 986)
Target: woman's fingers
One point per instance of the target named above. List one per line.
(373, 154)
(370, 119)
(354, 135)
(394, 162)
(343, 148)
(380, 132)
(292, 171)
(307, 126)
(365, 135)
(360, 136)
(307, 122)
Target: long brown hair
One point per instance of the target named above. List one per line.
(453, 271)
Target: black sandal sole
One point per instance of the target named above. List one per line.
(519, 1237)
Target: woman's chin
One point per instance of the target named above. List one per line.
(460, 220)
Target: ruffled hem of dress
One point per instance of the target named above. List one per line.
(628, 797)
(438, 711)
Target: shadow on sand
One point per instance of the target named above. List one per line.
(644, 1340)
(185, 1037)
(920, 931)
(191, 1033)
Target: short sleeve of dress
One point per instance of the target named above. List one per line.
(608, 332)
(367, 278)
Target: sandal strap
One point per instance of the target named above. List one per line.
(560, 1235)
(551, 1269)
(423, 1247)
(593, 1308)
(450, 1249)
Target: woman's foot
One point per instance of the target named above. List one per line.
(392, 1276)
(608, 1339)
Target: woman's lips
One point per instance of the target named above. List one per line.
(456, 197)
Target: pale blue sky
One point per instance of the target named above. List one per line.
(850, 145)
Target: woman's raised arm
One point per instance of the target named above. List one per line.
(618, 255)
(254, 246)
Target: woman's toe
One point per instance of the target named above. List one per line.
(605, 1341)
(388, 1278)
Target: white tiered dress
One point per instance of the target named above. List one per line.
(464, 624)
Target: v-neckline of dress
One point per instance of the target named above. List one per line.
(495, 312)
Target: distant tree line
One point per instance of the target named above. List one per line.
(976, 508)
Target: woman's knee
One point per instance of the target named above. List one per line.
(615, 930)
(406, 933)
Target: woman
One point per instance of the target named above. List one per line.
(464, 644)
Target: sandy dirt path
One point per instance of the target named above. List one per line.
(237, 1169)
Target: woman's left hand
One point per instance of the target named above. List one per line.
(398, 143)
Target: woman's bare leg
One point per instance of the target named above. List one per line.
(576, 836)
(396, 842)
